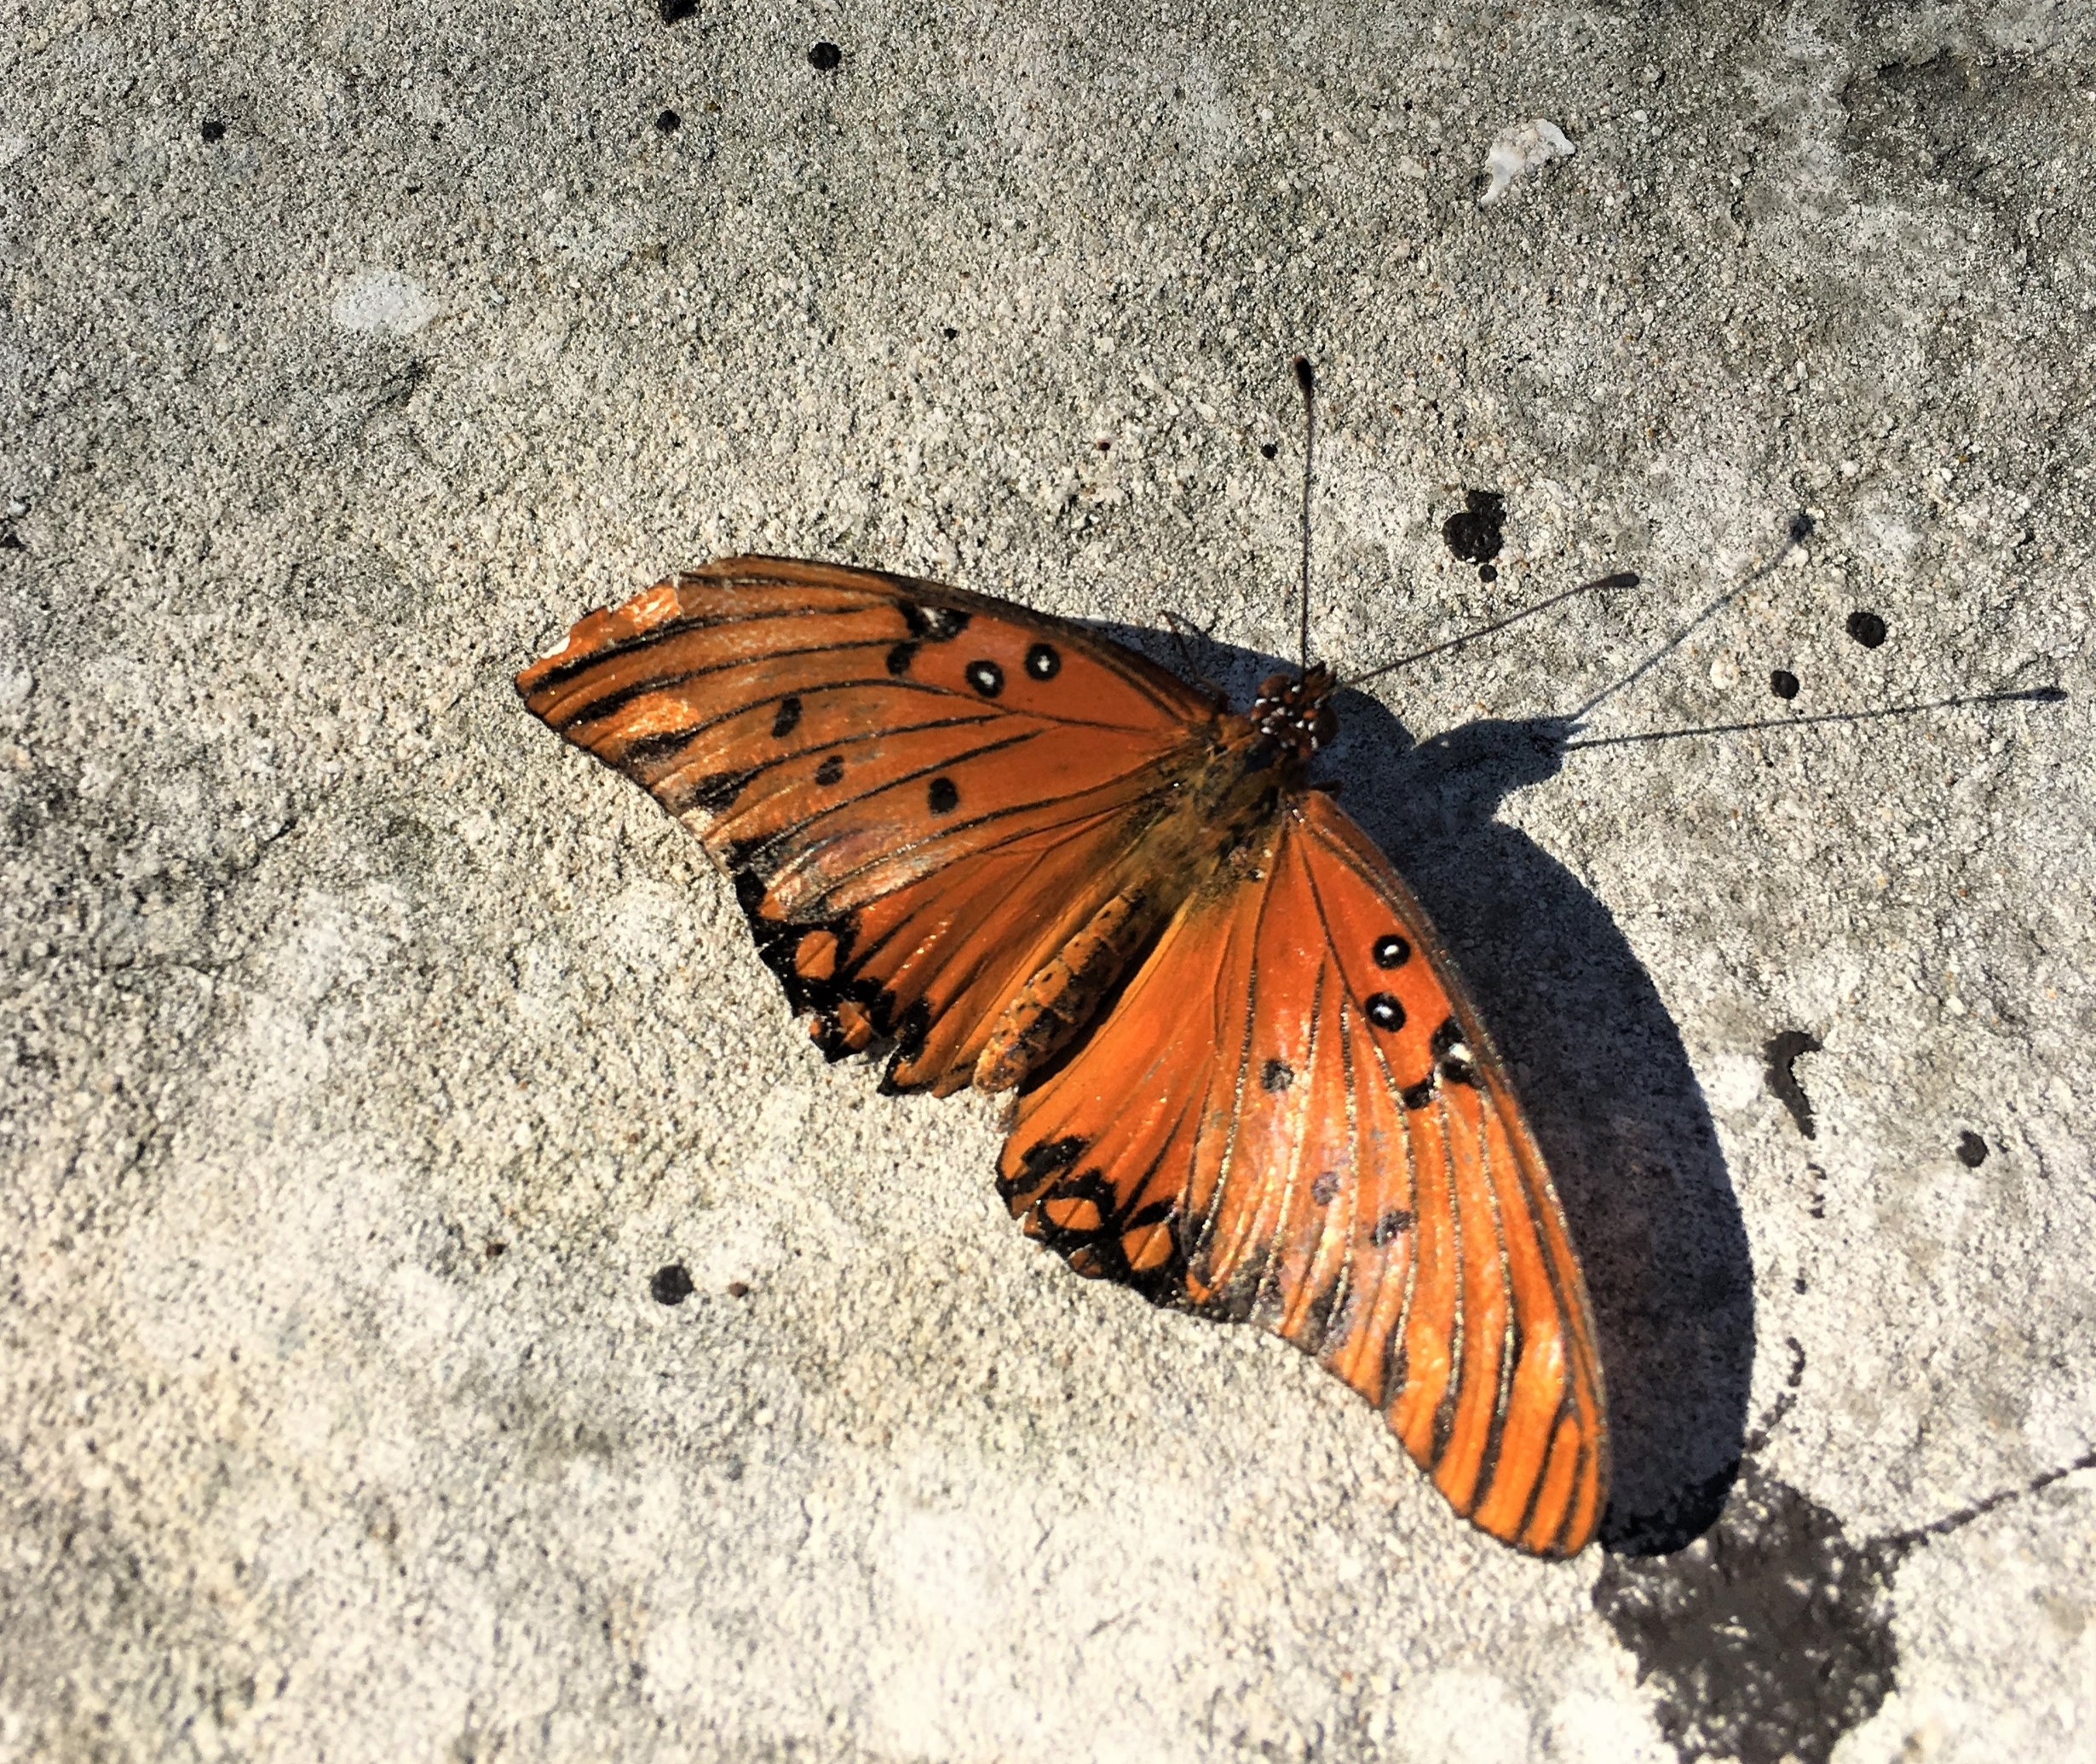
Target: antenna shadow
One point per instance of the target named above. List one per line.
(1601, 1072)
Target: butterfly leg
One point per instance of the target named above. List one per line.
(1179, 627)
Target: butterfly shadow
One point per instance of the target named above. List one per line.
(1602, 1073)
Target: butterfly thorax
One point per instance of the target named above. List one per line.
(1216, 830)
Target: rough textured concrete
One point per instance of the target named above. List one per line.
(365, 1052)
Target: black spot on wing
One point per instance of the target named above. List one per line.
(1391, 951)
(1385, 1011)
(831, 770)
(785, 719)
(943, 795)
(900, 657)
(1042, 662)
(1277, 1075)
(933, 624)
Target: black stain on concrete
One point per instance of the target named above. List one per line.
(671, 1284)
(1972, 1150)
(1474, 532)
(1783, 1054)
(1867, 628)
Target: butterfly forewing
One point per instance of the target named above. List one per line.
(920, 792)
(1294, 1117)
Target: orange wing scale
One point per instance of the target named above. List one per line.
(1293, 1117)
(1289, 1115)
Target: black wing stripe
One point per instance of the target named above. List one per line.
(1270, 1257)
(794, 830)
(1125, 803)
(562, 671)
(1204, 1236)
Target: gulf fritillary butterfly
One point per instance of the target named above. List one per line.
(1245, 1078)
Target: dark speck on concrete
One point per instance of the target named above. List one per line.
(672, 1284)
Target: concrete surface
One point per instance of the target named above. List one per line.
(366, 1054)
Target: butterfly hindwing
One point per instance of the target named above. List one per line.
(899, 775)
(1293, 1117)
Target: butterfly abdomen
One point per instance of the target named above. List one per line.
(1060, 1000)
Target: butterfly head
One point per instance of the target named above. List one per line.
(1294, 710)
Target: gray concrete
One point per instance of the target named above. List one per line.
(365, 1052)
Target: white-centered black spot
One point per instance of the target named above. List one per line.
(1385, 1011)
(1392, 1224)
(831, 770)
(1042, 662)
(785, 719)
(987, 677)
(1278, 1075)
(1391, 951)
(933, 624)
(944, 795)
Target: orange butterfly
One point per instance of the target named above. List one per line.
(1247, 1081)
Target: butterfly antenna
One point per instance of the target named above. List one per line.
(2007, 695)
(1306, 378)
(1621, 578)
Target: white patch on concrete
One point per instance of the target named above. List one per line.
(383, 300)
(1521, 151)
(1733, 1081)
(1464, 1717)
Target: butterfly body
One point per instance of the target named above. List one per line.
(1244, 1078)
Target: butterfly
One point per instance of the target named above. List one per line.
(1244, 1077)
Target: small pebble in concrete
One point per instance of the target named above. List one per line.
(672, 1284)
(669, 122)
(674, 10)
(1867, 628)
(1783, 683)
(212, 130)
(738, 1289)
(1267, 449)
(826, 58)
(1972, 1150)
